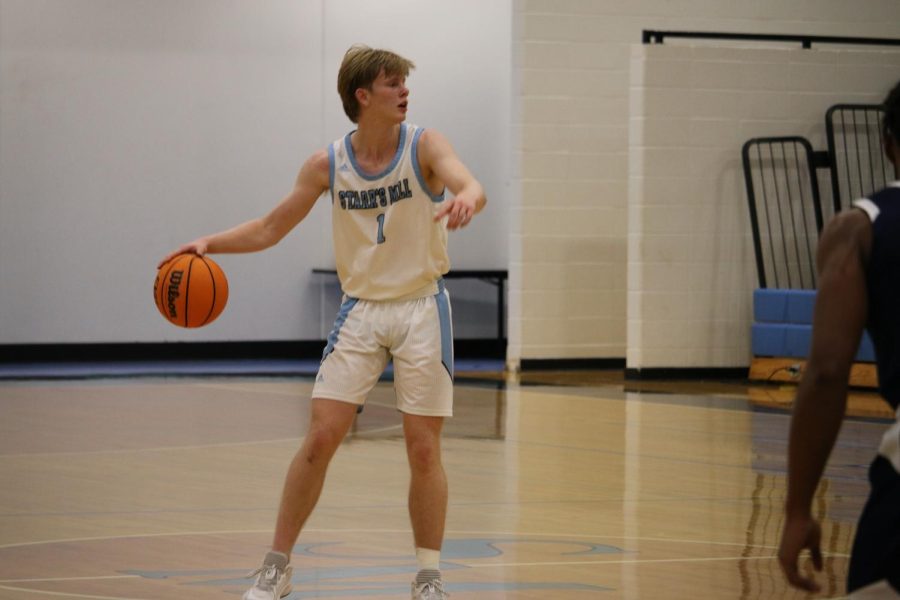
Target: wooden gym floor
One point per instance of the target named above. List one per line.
(563, 486)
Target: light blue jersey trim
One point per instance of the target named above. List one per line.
(344, 311)
(390, 167)
(331, 161)
(415, 164)
(443, 307)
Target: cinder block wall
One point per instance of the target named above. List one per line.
(570, 246)
(691, 270)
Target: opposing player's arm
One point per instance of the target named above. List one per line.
(838, 321)
(438, 156)
(264, 232)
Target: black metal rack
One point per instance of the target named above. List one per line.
(652, 36)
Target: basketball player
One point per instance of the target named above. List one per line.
(859, 286)
(386, 182)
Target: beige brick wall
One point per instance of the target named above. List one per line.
(573, 236)
(691, 269)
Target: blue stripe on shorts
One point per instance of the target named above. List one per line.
(443, 307)
(346, 307)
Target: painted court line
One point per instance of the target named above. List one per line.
(131, 536)
(4, 584)
(629, 562)
(66, 594)
(481, 533)
(196, 447)
(50, 579)
(154, 449)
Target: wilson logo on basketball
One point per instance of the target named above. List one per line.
(172, 292)
(190, 290)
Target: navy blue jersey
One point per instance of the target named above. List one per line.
(883, 282)
(884, 288)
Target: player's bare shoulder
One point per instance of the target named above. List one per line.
(319, 163)
(850, 230)
(315, 172)
(435, 150)
(432, 142)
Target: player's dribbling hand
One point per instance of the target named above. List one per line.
(197, 247)
(458, 211)
(800, 533)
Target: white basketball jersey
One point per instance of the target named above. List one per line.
(387, 245)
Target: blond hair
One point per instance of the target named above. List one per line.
(361, 67)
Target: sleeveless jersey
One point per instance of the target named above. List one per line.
(883, 281)
(387, 245)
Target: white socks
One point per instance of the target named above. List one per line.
(429, 562)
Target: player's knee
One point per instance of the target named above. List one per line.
(424, 455)
(321, 443)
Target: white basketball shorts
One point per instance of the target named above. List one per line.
(417, 334)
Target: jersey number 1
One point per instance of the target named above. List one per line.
(381, 228)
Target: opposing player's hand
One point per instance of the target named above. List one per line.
(197, 247)
(800, 533)
(459, 211)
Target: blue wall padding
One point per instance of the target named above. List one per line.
(798, 339)
(800, 306)
(793, 341)
(783, 306)
(783, 325)
(767, 339)
(769, 306)
(781, 339)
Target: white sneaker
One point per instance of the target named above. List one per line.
(433, 590)
(272, 583)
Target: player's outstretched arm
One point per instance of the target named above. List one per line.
(438, 155)
(838, 321)
(264, 232)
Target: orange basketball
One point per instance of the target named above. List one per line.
(190, 290)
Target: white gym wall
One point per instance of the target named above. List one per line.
(128, 127)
